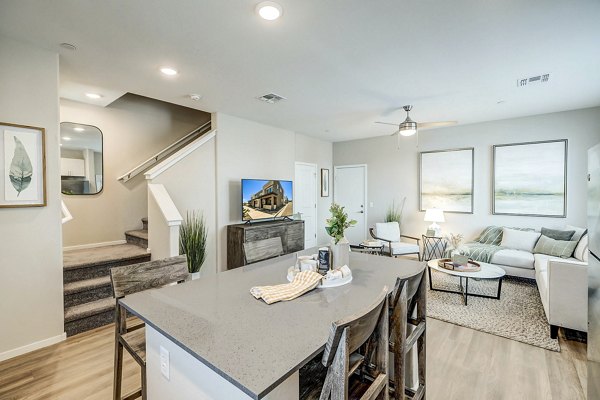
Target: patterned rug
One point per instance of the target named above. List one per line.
(518, 315)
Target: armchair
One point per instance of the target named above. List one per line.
(389, 234)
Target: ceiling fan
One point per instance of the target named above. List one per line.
(409, 127)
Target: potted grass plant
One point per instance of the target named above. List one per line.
(394, 212)
(336, 227)
(192, 241)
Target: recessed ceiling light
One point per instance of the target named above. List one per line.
(269, 10)
(94, 96)
(66, 138)
(78, 129)
(168, 71)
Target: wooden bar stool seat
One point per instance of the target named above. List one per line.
(131, 279)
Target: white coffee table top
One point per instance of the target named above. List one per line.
(488, 271)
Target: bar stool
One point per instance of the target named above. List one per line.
(131, 279)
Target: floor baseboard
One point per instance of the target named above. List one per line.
(32, 346)
(93, 245)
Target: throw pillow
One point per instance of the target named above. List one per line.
(557, 234)
(556, 248)
(581, 251)
(579, 232)
(518, 239)
(491, 235)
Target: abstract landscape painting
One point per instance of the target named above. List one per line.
(530, 178)
(447, 180)
(22, 150)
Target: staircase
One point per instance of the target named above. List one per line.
(88, 298)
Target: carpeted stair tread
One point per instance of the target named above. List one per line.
(138, 233)
(81, 258)
(85, 285)
(89, 309)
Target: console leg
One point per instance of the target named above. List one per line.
(554, 331)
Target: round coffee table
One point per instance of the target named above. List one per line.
(488, 271)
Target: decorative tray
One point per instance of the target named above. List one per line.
(324, 282)
(447, 263)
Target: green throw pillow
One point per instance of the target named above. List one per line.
(556, 248)
(557, 234)
(491, 235)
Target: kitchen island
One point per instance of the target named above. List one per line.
(219, 342)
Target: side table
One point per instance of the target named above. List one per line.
(433, 247)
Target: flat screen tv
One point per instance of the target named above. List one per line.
(262, 199)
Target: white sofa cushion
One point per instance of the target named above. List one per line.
(581, 251)
(514, 258)
(579, 232)
(399, 248)
(519, 240)
(388, 231)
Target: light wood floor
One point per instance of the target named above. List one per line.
(461, 364)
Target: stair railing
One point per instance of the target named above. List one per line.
(165, 152)
(65, 212)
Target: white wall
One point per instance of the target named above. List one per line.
(31, 297)
(191, 184)
(393, 172)
(315, 151)
(133, 129)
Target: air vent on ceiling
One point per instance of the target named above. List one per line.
(533, 80)
(271, 98)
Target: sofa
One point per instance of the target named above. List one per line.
(561, 276)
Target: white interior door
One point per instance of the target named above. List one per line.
(350, 191)
(305, 200)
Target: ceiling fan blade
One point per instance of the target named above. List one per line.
(395, 133)
(386, 123)
(440, 124)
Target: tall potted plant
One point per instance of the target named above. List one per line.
(336, 227)
(394, 212)
(192, 241)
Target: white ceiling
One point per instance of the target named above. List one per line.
(342, 64)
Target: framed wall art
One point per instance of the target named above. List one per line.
(530, 179)
(324, 182)
(22, 166)
(446, 180)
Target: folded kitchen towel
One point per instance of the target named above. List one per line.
(303, 282)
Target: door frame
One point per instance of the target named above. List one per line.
(305, 164)
(365, 166)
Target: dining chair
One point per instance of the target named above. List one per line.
(260, 250)
(342, 358)
(408, 314)
(127, 280)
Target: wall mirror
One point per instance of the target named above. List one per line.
(81, 163)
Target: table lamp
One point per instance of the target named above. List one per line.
(434, 215)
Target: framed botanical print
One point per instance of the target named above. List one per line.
(324, 182)
(446, 180)
(530, 179)
(22, 166)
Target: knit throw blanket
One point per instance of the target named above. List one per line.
(479, 251)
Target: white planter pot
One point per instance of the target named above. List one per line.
(195, 275)
(340, 253)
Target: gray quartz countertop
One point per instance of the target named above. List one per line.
(251, 344)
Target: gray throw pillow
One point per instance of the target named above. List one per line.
(491, 235)
(557, 234)
(556, 248)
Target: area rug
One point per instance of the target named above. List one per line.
(518, 315)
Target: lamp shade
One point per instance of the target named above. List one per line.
(434, 215)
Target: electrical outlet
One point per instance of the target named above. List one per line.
(164, 362)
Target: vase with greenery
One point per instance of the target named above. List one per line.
(394, 212)
(192, 240)
(336, 227)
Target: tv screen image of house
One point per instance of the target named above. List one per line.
(263, 199)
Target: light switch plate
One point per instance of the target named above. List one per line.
(371, 204)
(164, 363)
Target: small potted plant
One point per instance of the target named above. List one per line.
(192, 241)
(336, 226)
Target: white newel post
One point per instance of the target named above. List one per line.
(164, 221)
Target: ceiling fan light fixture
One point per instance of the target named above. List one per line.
(408, 127)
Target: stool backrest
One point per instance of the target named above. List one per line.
(413, 284)
(263, 249)
(129, 279)
(358, 327)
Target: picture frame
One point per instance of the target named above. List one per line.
(22, 166)
(324, 182)
(446, 180)
(530, 178)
